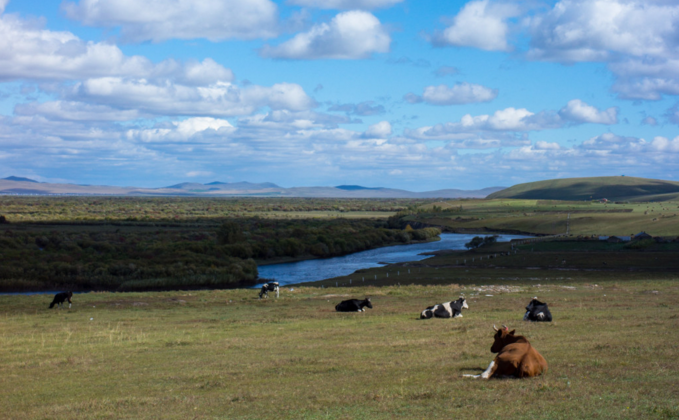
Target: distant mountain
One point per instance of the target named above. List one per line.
(19, 179)
(15, 185)
(355, 187)
(620, 188)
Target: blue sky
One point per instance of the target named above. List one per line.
(420, 95)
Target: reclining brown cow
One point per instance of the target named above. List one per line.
(516, 357)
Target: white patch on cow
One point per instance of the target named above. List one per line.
(464, 304)
(525, 317)
(458, 316)
(486, 374)
(541, 315)
(448, 308)
(69, 306)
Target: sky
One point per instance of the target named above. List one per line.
(413, 94)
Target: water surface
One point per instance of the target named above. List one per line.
(320, 269)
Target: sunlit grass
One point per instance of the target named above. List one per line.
(226, 354)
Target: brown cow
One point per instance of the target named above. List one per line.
(516, 357)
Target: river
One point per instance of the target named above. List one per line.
(320, 269)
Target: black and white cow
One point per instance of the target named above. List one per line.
(353, 305)
(451, 309)
(537, 311)
(60, 298)
(271, 286)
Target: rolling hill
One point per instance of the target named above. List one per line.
(614, 188)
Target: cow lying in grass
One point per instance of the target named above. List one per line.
(59, 299)
(537, 311)
(446, 310)
(271, 286)
(515, 357)
(353, 305)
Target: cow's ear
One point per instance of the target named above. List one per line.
(512, 332)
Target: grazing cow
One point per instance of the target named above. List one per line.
(269, 287)
(515, 357)
(59, 298)
(353, 305)
(446, 310)
(537, 311)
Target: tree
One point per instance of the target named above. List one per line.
(229, 233)
(476, 242)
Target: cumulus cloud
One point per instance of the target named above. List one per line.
(160, 20)
(3, 3)
(593, 30)
(220, 99)
(480, 24)
(636, 37)
(181, 131)
(76, 111)
(580, 112)
(31, 52)
(460, 93)
(380, 130)
(346, 4)
(349, 35)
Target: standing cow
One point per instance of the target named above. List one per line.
(451, 309)
(354, 305)
(515, 357)
(537, 311)
(271, 286)
(59, 299)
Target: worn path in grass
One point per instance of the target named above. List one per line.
(224, 354)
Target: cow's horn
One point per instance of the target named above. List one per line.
(505, 327)
(495, 328)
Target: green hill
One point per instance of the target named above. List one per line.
(620, 188)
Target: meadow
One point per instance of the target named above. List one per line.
(549, 217)
(224, 354)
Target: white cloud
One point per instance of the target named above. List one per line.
(346, 4)
(3, 4)
(76, 111)
(160, 20)
(592, 30)
(663, 144)
(30, 52)
(165, 98)
(181, 131)
(349, 35)
(380, 130)
(543, 145)
(580, 112)
(460, 93)
(636, 37)
(480, 24)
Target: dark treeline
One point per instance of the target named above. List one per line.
(107, 257)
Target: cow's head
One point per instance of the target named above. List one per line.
(502, 338)
(463, 301)
(368, 303)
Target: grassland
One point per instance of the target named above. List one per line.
(551, 217)
(610, 187)
(225, 355)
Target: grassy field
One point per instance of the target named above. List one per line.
(553, 217)
(610, 187)
(226, 355)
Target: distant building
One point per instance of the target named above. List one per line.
(604, 200)
(614, 240)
